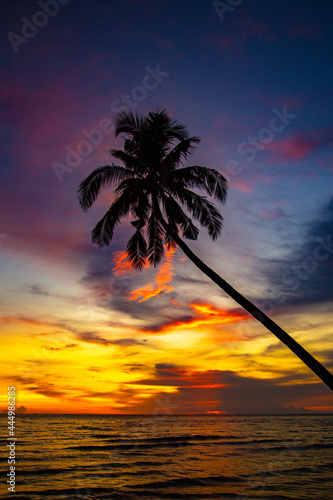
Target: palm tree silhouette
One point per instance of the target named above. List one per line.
(155, 189)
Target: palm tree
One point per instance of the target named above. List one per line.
(154, 188)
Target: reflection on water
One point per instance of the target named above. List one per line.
(192, 457)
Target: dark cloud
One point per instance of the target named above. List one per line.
(170, 372)
(39, 387)
(50, 393)
(123, 390)
(306, 275)
(249, 396)
(21, 409)
(94, 338)
(165, 366)
(68, 346)
(111, 292)
(152, 315)
(36, 290)
(194, 281)
(226, 391)
(158, 325)
(135, 366)
(99, 277)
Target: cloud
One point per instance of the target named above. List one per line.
(107, 278)
(112, 283)
(121, 263)
(302, 144)
(133, 367)
(203, 315)
(244, 395)
(162, 281)
(170, 375)
(304, 32)
(21, 409)
(94, 338)
(18, 318)
(36, 290)
(241, 30)
(68, 346)
(39, 387)
(227, 391)
(306, 274)
(45, 391)
(163, 278)
(273, 214)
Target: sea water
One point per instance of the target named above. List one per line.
(67, 457)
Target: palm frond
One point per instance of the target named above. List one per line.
(202, 177)
(176, 215)
(154, 148)
(168, 240)
(129, 123)
(167, 127)
(180, 152)
(137, 250)
(140, 207)
(203, 210)
(131, 163)
(90, 187)
(102, 233)
(178, 130)
(155, 249)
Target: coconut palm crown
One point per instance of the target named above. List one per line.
(152, 185)
(155, 189)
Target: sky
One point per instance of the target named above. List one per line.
(81, 331)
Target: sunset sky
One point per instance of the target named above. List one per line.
(81, 331)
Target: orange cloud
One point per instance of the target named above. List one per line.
(162, 281)
(222, 412)
(21, 319)
(175, 303)
(172, 375)
(122, 264)
(205, 314)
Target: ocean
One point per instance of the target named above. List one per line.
(71, 457)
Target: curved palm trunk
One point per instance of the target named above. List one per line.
(294, 346)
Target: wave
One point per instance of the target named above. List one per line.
(190, 481)
(198, 437)
(88, 427)
(96, 447)
(314, 446)
(188, 438)
(72, 494)
(172, 441)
